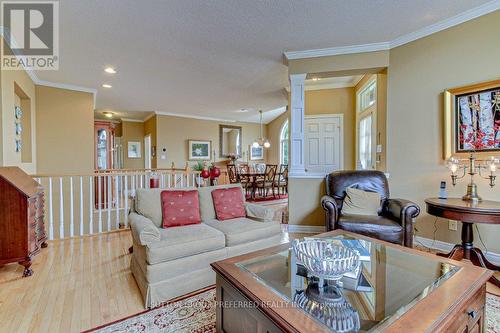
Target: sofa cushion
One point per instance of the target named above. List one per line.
(180, 208)
(228, 203)
(184, 241)
(207, 209)
(243, 230)
(373, 226)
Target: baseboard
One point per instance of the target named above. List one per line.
(446, 247)
(305, 229)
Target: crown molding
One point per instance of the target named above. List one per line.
(130, 120)
(149, 117)
(332, 51)
(468, 15)
(192, 116)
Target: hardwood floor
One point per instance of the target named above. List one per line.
(78, 284)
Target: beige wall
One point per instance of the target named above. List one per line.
(9, 95)
(304, 205)
(274, 132)
(173, 134)
(418, 74)
(64, 131)
(150, 128)
(132, 132)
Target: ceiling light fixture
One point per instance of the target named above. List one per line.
(108, 114)
(316, 78)
(261, 141)
(110, 70)
(107, 85)
(242, 110)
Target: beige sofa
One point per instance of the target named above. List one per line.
(170, 262)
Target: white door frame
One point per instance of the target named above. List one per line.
(340, 117)
(147, 152)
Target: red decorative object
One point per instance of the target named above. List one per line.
(154, 182)
(228, 203)
(214, 172)
(205, 173)
(180, 208)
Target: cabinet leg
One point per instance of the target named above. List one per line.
(27, 267)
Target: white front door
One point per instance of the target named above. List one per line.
(147, 152)
(323, 144)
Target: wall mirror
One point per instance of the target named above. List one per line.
(230, 140)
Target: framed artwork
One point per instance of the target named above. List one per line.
(472, 120)
(134, 149)
(199, 149)
(256, 153)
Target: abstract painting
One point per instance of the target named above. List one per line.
(478, 121)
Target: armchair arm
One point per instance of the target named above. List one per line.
(405, 212)
(331, 212)
(259, 213)
(144, 232)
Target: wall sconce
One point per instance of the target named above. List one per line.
(472, 167)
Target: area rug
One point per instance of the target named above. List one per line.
(196, 313)
(268, 198)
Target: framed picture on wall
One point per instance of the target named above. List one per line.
(134, 149)
(472, 119)
(256, 153)
(199, 149)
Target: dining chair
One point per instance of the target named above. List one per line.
(282, 179)
(232, 173)
(268, 182)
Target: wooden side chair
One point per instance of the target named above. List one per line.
(282, 179)
(269, 180)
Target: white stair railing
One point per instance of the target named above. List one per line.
(86, 204)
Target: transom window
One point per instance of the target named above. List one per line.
(367, 96)
(284, 142)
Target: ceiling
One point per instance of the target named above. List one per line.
(214, 58)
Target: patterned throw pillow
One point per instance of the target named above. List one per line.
(180, 208)
(228, 203)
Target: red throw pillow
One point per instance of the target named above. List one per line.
(180, 208)
(228, 203)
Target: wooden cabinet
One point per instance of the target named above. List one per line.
(22, 231)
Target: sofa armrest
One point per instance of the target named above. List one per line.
(331, 211)
(259, 213)
(405, 212)
(144, 232)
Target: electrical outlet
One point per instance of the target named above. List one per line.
(452, 225)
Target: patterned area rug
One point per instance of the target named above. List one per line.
(195, 313)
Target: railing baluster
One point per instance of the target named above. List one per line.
(109, 202)
(91, 205)
(162, 182)
(141, 182)
(51, 212)
(81, 206)
(61, 208)
(169, 180)
(117, 207)
(126, 202)
(71, 209)
(99, 201)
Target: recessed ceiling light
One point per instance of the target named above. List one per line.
(242, 110)
(108, 114)
(110, 70)
(107, 85)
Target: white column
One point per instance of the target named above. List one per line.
(296, 164)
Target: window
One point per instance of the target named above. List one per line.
(366, 126)
(284, 143)
(365, 142)
(367, 96)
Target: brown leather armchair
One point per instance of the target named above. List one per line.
(395, 219)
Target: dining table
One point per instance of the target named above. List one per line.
(252, 178)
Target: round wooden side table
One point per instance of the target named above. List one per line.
(468, 213)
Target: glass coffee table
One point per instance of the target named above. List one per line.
(395, 288)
